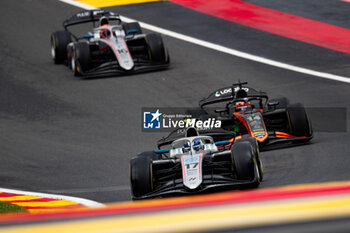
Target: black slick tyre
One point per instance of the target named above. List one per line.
(246, 167)
(141, 176)
(59, 41)
(256, 153)
(80, 60)
(299, 122)
(156, 49)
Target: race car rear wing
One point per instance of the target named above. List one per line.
(230, 93)
(216, 134)
(89, 16)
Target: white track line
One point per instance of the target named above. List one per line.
(89, 190)
(240, 54)
(224, 49)
(82, 201)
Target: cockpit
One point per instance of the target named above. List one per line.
(108, 32)
(192, 145)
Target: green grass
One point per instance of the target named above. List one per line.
(10, 208)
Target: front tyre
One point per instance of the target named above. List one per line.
(156, 49)
(245, 164)
(256, 152)
(141, 176)
(299, 122)
(81, 58)
(59, 41)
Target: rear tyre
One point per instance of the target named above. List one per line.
(141, 176)
(132, 28)
(256, 153)
(245, 165)
(59, 42)
(299, 122)
(80, 59)
(156, 48)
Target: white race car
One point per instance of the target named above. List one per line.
(195, 164)
(112, 47)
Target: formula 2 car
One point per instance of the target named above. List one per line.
(113, 47)
(250, 112)
(195, 164)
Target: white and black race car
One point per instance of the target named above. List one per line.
(196, 164)
(112, 47)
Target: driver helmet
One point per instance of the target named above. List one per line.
(105, 33)
(241, 105)
(196, 145)
(241, 93)
(187, 146)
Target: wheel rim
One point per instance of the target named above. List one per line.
(257, 172)
(73, 64)
(53, 52)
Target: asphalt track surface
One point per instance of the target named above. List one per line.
(70, 136)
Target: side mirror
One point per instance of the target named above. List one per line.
(222, 143)
(221, 110)
(88, 36)
(163, 151)
(273, 103)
